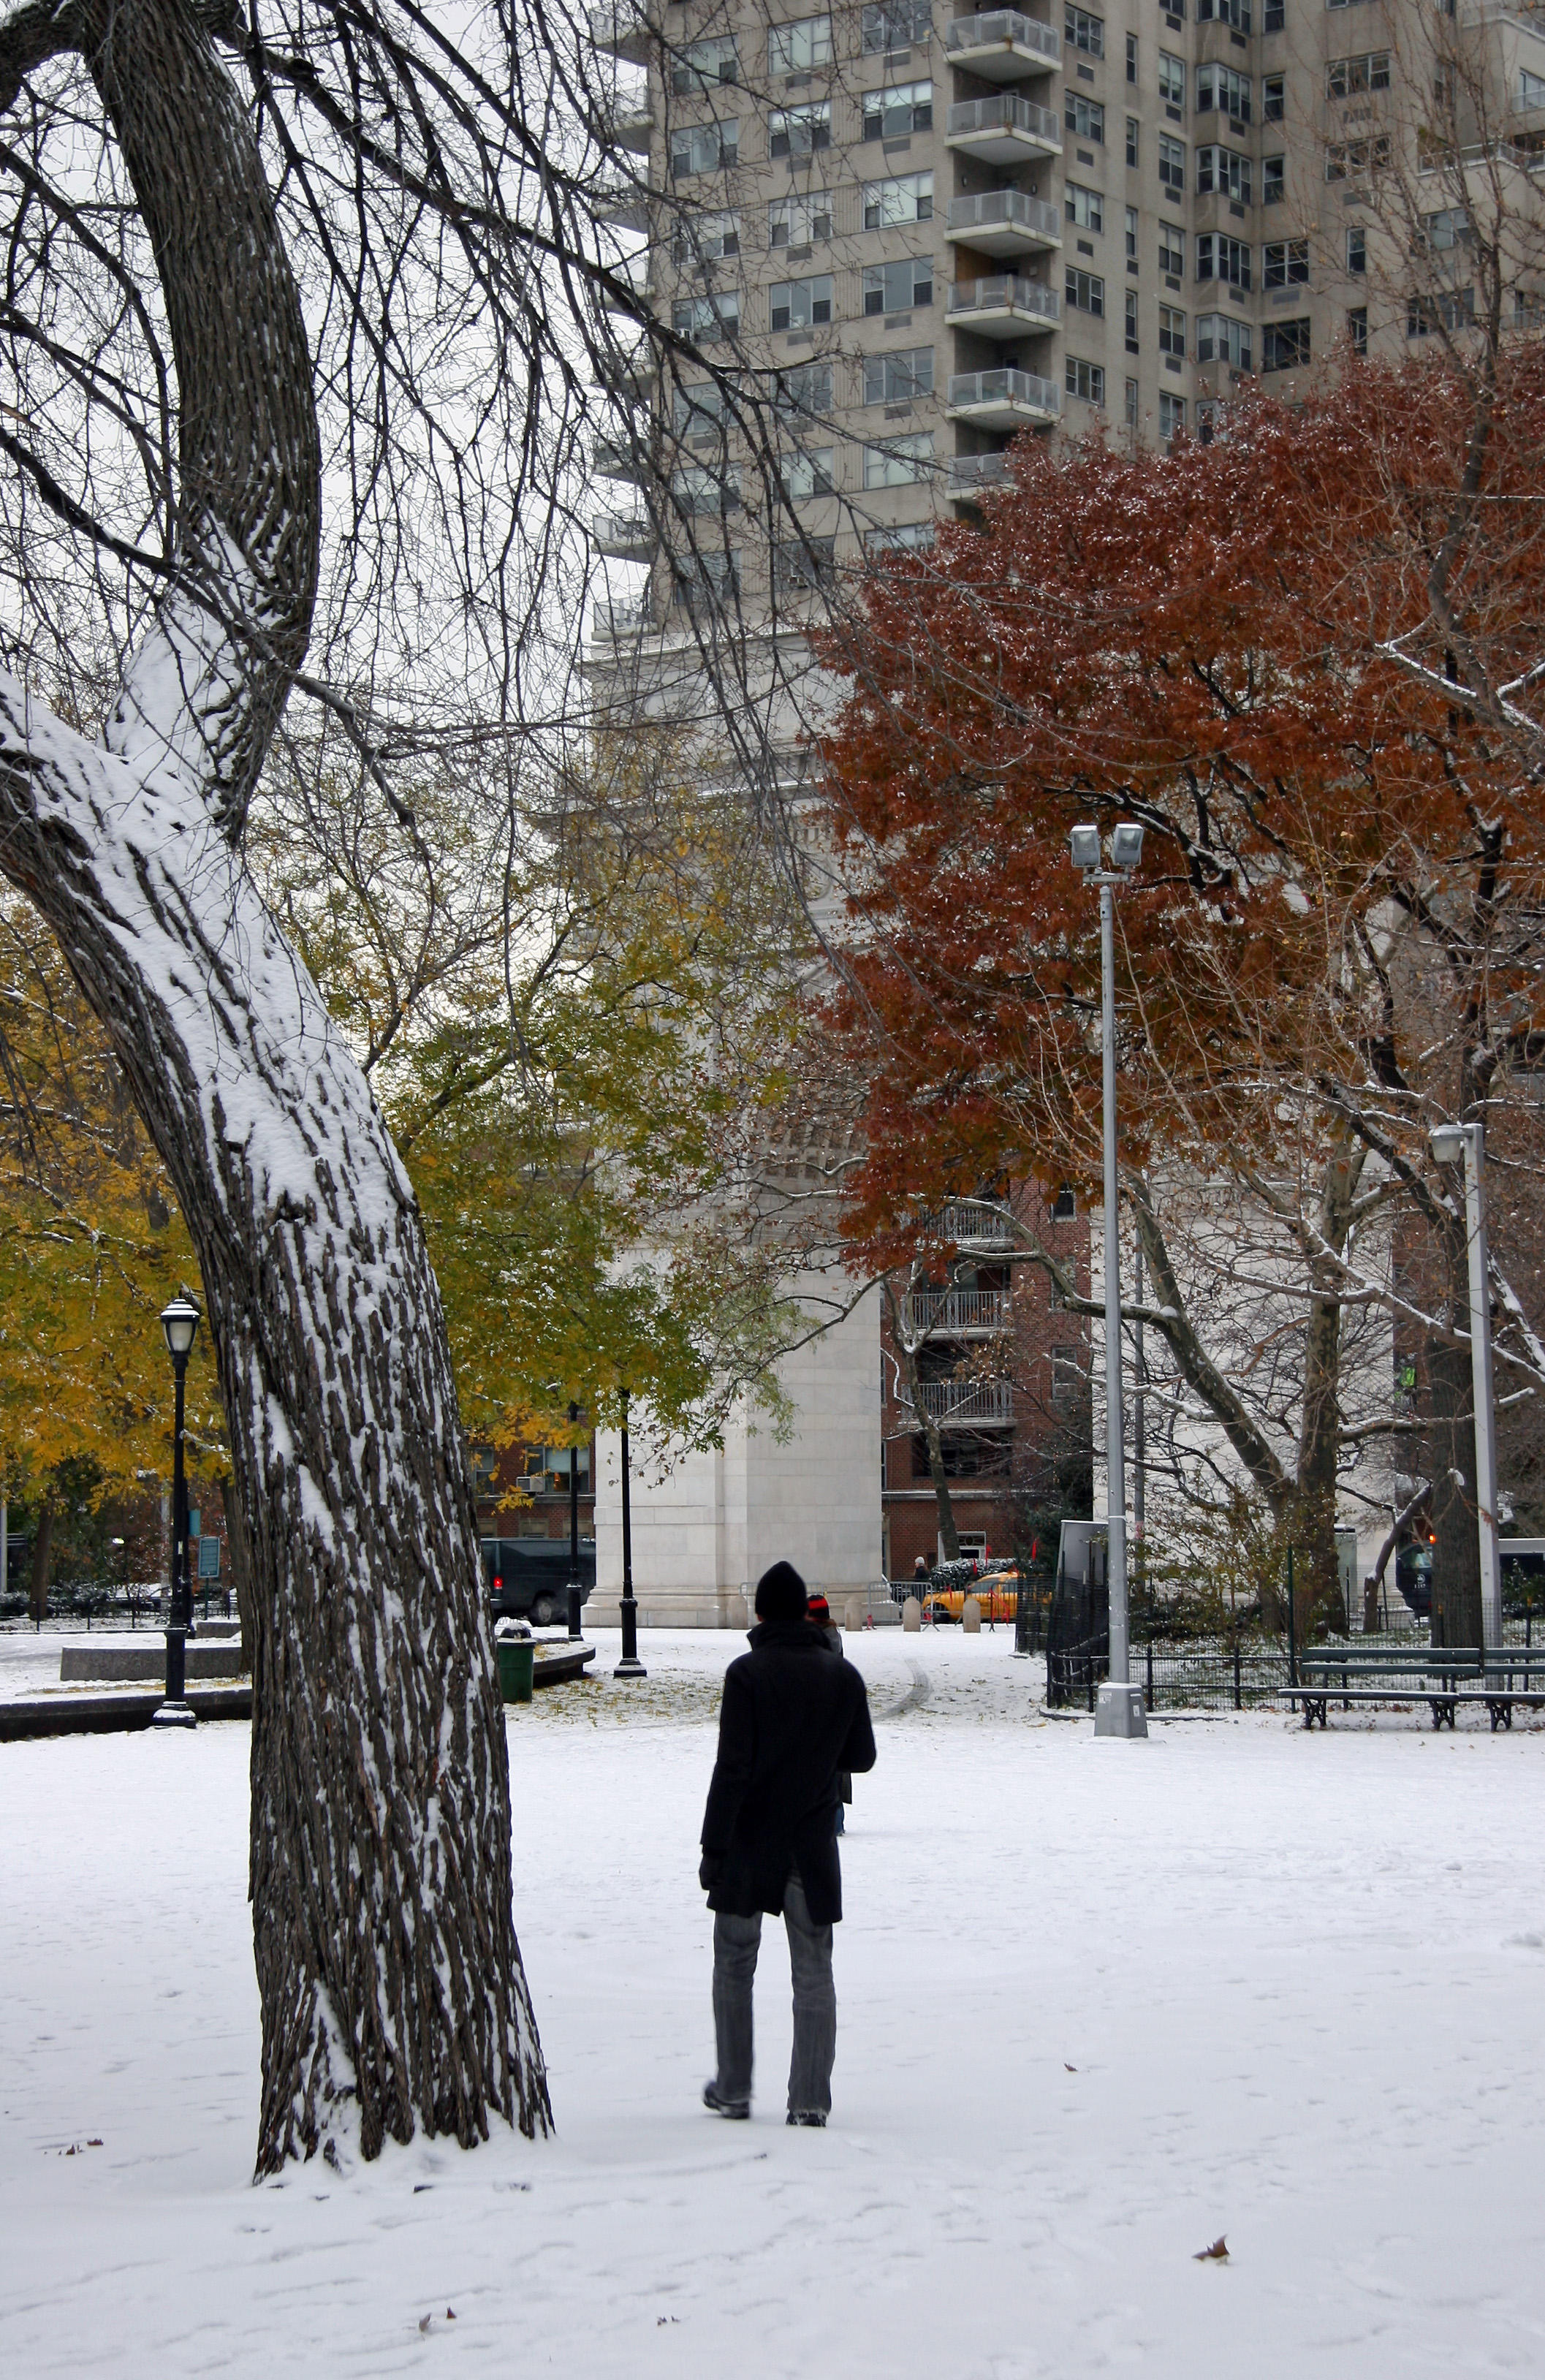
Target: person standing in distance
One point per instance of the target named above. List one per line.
(791, 1721)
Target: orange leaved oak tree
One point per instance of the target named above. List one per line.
(1304, 655)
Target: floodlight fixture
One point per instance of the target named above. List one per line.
(1085, 844)
(1125, 847)
(1447, 1143)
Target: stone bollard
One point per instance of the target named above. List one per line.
(852, 1614)
(971, 1616)
(912, 1615)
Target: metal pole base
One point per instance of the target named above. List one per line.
(173, 1714)
(1119, 1711)
(630, 1668)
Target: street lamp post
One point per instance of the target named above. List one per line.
(1451, 1144)
(1120, 1710)
(630, 1666)
(180, 1322)
(574, 1524)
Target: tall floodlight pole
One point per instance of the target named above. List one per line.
(1450, 1142)
(1120, 1710)
(630, 1666)
(180, 1321)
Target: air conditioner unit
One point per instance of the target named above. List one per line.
(531, 1482)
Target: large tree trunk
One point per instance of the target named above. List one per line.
(1450, 1468)
(1311, 1513)
(906, 1356)
(390, 1982)
(42, 1548)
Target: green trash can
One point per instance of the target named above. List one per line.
(517, 1669)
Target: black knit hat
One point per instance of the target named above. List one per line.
(780, 1593)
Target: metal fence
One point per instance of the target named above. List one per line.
(84, 1607)
(1247, 1673)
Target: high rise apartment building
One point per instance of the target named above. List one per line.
(926, 233)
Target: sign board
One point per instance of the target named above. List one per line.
(209, 1557)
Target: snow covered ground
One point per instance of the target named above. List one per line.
(1099, 2005)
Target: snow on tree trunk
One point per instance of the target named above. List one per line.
(393, 1995)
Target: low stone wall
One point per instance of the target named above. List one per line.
(97, 1663)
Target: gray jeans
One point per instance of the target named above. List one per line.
(736, 1943)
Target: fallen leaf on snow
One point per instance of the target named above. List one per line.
(1069, 2069)
(1216, 2255)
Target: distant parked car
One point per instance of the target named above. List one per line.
(527, 1578)
(997, 1590)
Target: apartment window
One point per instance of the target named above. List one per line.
(1273, 181)
(1345, 77)
(895, 25)
(1172, 80)
(1085, 117)
(703, 66)
(710, 578)
(799, 220)
(907, 537)
(801, 564)
(900, 462)
(1356, 329)
(699, 410)
(1284, 262)
(805, 391)
(1134, 134)
(705, 239)
(706, 319)
(1357, 249)
(1172, 416)
(1449, 309)
(1274, 17)
(1531, 89)
(1172, 166)
(703, 495)
(1086, 291)
(1529, 309)
(1450, 227)
(894, 114)
(1131, 57)
(906, 200)
(1130, 414)
(1083, 31)
(1222, 173)
(799, 132)
(1131, 321)
(897, 288)
(1284, 346)
(1344, 159)
(1172, 331)
(899, 375)
(1172, 248)
(1085, 208)
(1085, 380)
(1131, 235)
(1233, 12)
(796, 48)
(705, 148)
(801, 305)
(809, 474)
(1226, 90)
(1223, 339)
(1273, 98)
(1218, 258)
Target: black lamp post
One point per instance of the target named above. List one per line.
(573, 1525)
(630, 1666)
(180, 1321)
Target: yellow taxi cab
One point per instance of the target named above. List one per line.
(997, 1590)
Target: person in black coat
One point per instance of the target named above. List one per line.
(791, 1719)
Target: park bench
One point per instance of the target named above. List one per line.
(1443, 1676)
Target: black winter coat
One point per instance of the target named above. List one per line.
(791, 1719)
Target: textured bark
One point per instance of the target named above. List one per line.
(933, 1440)
(1311, 1513)
(1452, 1470)
(391, 1988)
(42, 1548)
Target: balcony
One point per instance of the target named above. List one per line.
(623, 30)
(610, 459)
(955, 1313)
(962, 1404)
(1003, 46)
(1003, 307)
(1006, 222)
(1003, 130)
(624, 204)
(617, 623)
(968, 474)
(629, 286)
(1003, 400)
(632, 127)
(969, 1224)
(624, 537)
